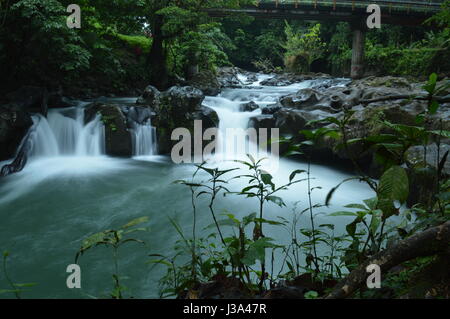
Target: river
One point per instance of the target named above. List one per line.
(69, 189)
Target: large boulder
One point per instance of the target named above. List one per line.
(262, 121)
(415, 156)
(149, 97)
(302, 99)
(248, 107)
(179, 107)
(137, 114)
(228, 77)
(332, 100)
(180, 100)
(208, 117)
(14, 124)
(117, 135)
(271, 109)
(290, 121)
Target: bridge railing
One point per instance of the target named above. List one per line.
(391, 5)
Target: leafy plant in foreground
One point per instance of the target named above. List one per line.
(262, 187)
(114, 238)
(16, 288)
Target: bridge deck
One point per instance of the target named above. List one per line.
(399, 5)
(404, 12)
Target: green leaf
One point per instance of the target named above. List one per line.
(277, 200)
(25, 285)
(256, 251)
(136, 221)
(251, 159)
(343, 213)
(292, 153)
(431, 84)
(311, 294)
(357, 206)
(420, 118)
(266, 178)
(371, 202)
(351, 228)
(94, 240)
(246, 189)
(433, 107)
(331, 192)
(329, 226)
(442, 133)
(298, 171)
(393, 186)
(210, 171)
(375, 221)
(248, 219)
(392, 146)
(224, 222)
(268, 221)
(160, 261)
(355, 140)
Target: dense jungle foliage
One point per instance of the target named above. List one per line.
(123, 45)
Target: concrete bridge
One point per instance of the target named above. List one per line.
(398, 12)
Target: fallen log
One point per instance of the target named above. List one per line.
(427, 243)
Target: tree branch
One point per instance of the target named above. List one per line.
(441, 99)
(429, 242)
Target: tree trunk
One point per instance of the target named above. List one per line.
(159, 76)
(357, 68)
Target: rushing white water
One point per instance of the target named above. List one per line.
(144, 139)
(233, 141)
(63, 133)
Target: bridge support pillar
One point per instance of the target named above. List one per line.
(357, 68)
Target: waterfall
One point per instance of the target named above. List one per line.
(232, 138)
(235, 140)
(63, 132)
(144, 139)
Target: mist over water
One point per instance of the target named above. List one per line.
(70, 189)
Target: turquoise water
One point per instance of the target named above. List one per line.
(47, 209)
